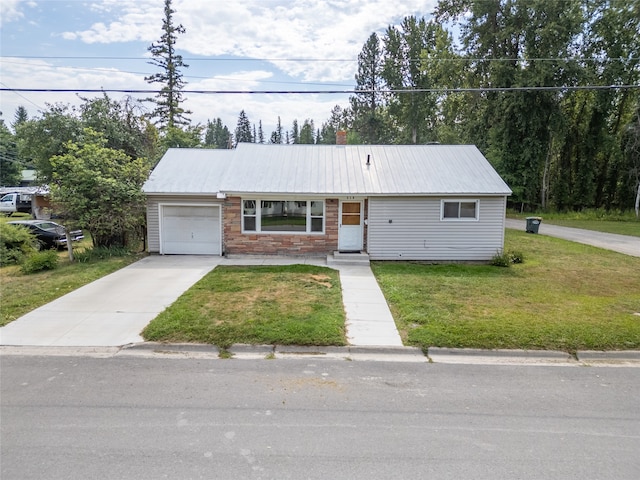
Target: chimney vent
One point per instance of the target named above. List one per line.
(341, 137)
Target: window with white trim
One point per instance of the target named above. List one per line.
(459, 210)
(283, 216)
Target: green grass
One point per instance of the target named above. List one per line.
(566, 296)
(622, 223)
(285, 305)
(22, 293)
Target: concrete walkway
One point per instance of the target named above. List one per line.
(113, 310)
(610, 241)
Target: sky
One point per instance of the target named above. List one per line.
(237, 45)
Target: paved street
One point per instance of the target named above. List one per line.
(129, 417)
(609, 241)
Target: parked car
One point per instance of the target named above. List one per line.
(15, 202)
(49, 234)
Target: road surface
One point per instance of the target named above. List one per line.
(152, 418)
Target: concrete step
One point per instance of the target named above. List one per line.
(341, 258)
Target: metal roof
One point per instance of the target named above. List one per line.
(328, 170)
(189, 171)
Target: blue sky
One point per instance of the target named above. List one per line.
(228, 45)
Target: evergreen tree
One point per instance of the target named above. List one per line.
(295, 132)
(276, 135)
(307, 132)
(243, 129)
(260, 132)
(168, 111)
(217, 135)
(20, 117)
(255, 135)
(10, 167)
(368, 101)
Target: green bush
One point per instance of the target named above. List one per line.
(506, 258)
(39, 261)
(16, 243)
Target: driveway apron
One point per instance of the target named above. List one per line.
(113, 310)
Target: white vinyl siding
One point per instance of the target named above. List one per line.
(410, 228)
(153, 214)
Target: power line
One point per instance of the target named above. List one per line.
(334, 92)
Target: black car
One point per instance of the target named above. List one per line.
(48, 233)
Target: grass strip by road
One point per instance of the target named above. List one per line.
(284, 305)
(566, 296)
(22, 293)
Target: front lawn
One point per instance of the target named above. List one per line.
(285, 305)
(22, 293)
(566, 296)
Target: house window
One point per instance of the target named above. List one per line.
(459, 210)
(283, 216)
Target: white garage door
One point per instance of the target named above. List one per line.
(191, 230)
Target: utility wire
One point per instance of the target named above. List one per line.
(320, 92)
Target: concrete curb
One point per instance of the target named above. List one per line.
(503, 357)
(630, 358)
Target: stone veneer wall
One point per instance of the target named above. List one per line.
(236, 242)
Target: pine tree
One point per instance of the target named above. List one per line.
(168, 111)
(20, 117)
(276, 135)
(217, 135)
(295, 132)
(260, 132)
(243, 129)
(367, 103)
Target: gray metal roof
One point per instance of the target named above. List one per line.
(189, 171)
(329, 170)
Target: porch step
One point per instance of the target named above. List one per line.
(341, 258)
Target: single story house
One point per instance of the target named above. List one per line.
(392, 202)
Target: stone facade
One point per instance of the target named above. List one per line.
(236, 242)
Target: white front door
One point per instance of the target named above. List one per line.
(350, 227)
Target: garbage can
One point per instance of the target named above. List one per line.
(533, 223)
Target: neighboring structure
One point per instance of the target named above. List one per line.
(394, 202)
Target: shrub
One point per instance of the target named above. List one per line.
(15, 244)
(39, 261)
(501, 259)
(506, 258)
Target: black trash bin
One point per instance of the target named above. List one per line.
(533, 223)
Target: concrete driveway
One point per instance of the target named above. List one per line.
(610, 241)
(113, 310)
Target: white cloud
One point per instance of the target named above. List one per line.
(263, 29)
(11, 10)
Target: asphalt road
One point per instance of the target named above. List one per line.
(626, 244)
(152, 418)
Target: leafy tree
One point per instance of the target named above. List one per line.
(121, 123)
(217, 135)
(10, 166)
(168, 110)
(100, 189)
(174, 137)
(243, 129)
(39, 139)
